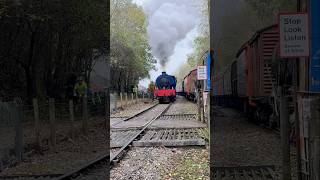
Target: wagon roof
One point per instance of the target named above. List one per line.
(254, 37)
(242, 48)
(257, 34)
(189, 73)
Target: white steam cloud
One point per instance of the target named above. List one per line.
(169, 22)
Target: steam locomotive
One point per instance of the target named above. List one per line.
(165, 88)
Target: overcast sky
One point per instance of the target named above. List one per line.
(174, 40)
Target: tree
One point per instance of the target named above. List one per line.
(43, 42)
(131, 58)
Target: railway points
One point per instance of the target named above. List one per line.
(171, 129)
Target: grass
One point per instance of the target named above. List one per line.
(194, 164)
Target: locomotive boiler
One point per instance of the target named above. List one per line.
(165, 88)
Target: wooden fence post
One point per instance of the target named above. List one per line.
(116, 103)
(121, 102)
(131, 98)
(126, 99)
(137, 97)
(85, 116)
(71, 111)
(37, 124)
(52, 123)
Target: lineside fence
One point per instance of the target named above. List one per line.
(39, 127)
(119, 101)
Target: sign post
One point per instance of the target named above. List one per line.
(294, 43)
(201, 75)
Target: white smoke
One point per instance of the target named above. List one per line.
(169, 21)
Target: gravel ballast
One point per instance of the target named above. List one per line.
(238, 142)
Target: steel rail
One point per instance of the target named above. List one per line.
(103, 159)
(135, 115)
(115, 158)
(79, 171)
(35, 176)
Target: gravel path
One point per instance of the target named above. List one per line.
(240, 143)
(145, 163)
(182, 106)
(159, 163)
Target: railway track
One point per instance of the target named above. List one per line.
(97, 169)
(135, 115)
(122, 151)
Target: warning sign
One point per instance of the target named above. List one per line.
(202, 73)
(294, 35)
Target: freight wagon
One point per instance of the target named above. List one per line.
(189, 85)
(248, 83)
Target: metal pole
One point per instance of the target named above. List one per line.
(285, 140)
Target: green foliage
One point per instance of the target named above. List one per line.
(44, 42)
(131, 57)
